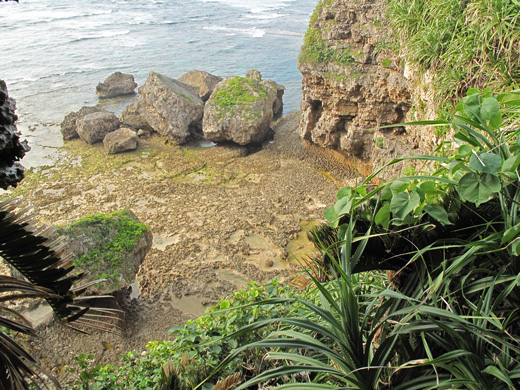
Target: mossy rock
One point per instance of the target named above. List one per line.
(108, 246)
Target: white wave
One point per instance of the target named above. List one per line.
(252, 32)
(254, 5)
(100, 35)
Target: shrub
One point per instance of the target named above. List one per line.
(449, 238)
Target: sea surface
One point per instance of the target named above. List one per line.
(53, 53)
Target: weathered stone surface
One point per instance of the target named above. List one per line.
(120, 140)
(11, 149)
(344, 103)
(108, 246)
(239, 110)
(69, 124)
(170, 107)
(254, 74)
(204, 81)
(93, 127)
(130, 117)
(117, 84)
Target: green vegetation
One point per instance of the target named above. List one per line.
(316, 50)
(198, 346)
(112, 237)
(466, 44)
(449, 238)
(237, 94)
(380, 142)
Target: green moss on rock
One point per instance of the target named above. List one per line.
(236, 95)
(102, 242)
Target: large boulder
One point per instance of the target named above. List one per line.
(204, 81)
(11, 149)
(117, 84)
(171, 107)
(239, 110)
(69, 124)
(93, 127)
(108, 246)
(120, 140)
(254, 74)
(130, 117)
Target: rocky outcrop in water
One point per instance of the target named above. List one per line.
(11, 149)
(120, 140)
(204, 81)
(239, 110)
(117, 84)
(352, 85)
(94, 127)
(170, 107)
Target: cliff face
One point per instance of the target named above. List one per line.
(352, 84)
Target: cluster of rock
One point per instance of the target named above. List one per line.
(11, 149)
(197, 105)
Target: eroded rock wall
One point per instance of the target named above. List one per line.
(353, 83)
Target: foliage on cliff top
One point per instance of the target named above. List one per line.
(107, 239)
(316, 50)
(236, 94)
(467, 44)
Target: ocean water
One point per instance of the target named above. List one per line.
(54, 53)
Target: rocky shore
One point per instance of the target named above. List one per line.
(221, 216)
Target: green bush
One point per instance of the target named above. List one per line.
(197, 347)
(449, 237)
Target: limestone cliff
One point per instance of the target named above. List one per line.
(352, 84)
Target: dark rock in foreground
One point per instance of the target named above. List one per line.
(117, 84)
(11, 149)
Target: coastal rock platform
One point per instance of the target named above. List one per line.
(221, 216)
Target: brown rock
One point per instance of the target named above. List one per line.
(120, 140)
(93, 127)
(204, 81)
(69, 124)
(117, 84)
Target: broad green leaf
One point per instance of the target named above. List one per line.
(489, 109)
(471, 106)
(386, 193)
(438, 213)
(428, 187)
(403, 203)
(478, 188)
(456, 165)
(511, 233)
(464, 151)
(511, 164)
(330, 215)
(472, 91)
(343, 205)
(502, 376)
(343, 192)
(486, 162)
(383, 216)
(398, 186)
(496, 122)
(515, 248)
